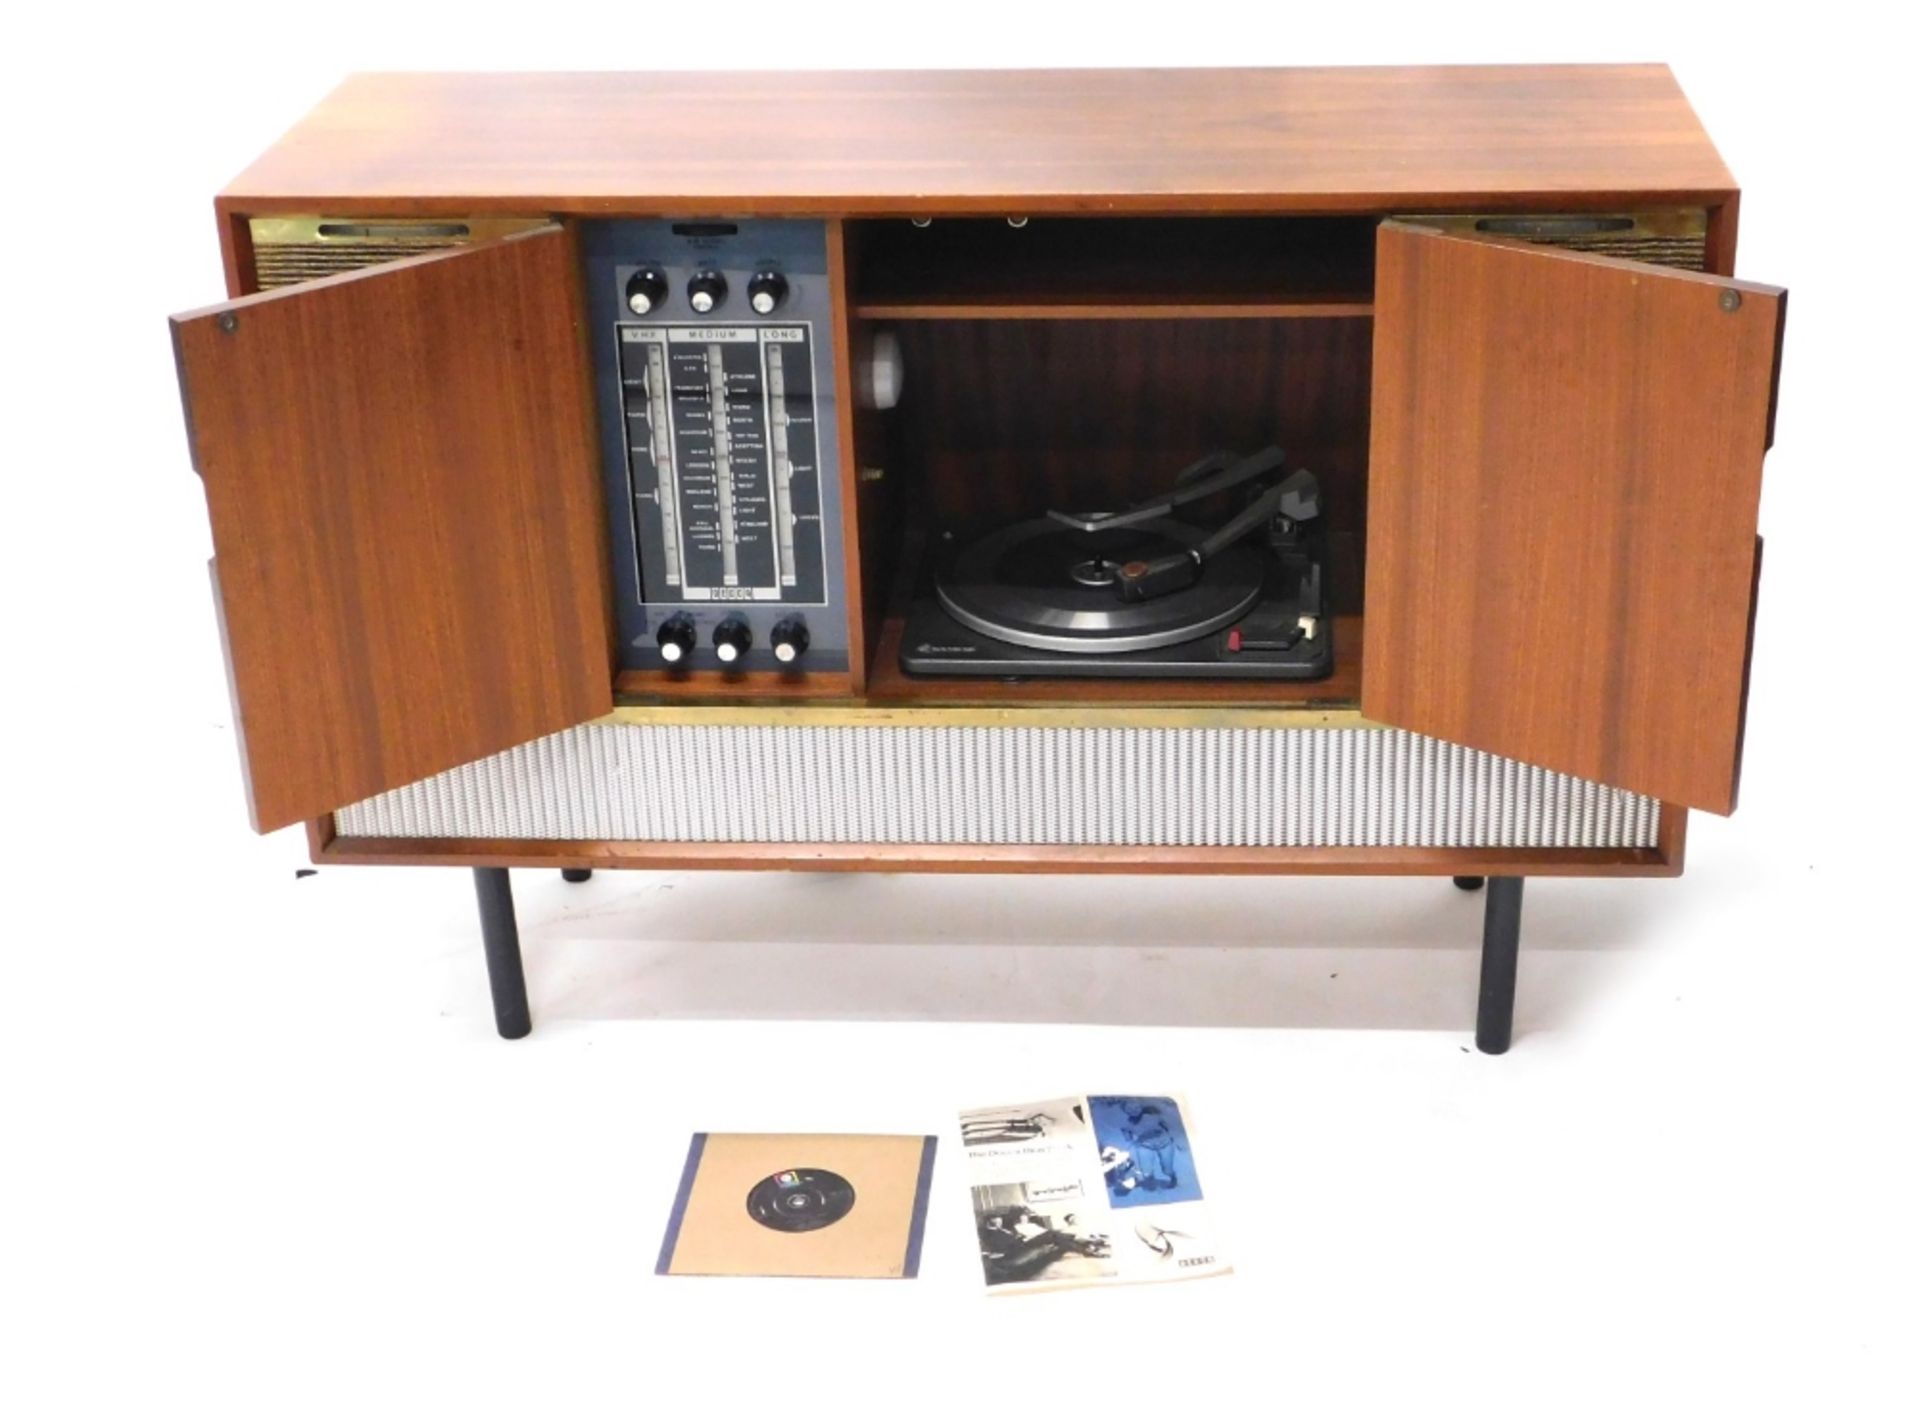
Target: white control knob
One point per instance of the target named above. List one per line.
(705, 291)
(766, 290)
(789, 640)
(646, 290)
(731, 639)
(676, 639)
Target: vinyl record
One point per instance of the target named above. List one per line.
(800, 1201)
(1042, 584)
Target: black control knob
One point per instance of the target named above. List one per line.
(646, 290)
(789, 640)
(766, 291)
(677, 639)
(731, 640)
(706, 290)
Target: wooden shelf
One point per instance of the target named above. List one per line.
(1111, 307)
(1113, 268)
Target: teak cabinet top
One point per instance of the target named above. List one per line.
(1216, 140)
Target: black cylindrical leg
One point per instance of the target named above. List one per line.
(1469, 884)
(576, 874)
(501, 933)
(1499, 964)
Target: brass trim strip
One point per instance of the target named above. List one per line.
(306, 229)
(1685, 223)
(1081, 718)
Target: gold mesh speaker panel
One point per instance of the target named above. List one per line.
(295, 249)
(1672, 238)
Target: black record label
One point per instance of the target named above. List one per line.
(799, 1201)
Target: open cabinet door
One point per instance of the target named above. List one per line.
(1564, 492)
(402, 477)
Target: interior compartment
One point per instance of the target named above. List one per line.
(1082, 364)
(1129, 265)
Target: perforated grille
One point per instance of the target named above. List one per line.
(299, 248)
(278, 265)
(1673, 238)
(1178, 786)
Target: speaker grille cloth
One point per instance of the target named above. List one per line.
(869, 784)
(296, 248)
(282, 265)
(1672, 251)
(1674, 238)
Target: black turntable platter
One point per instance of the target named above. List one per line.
(1138, 592)
(1043, 585)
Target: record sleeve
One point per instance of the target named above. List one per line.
(800, 1206)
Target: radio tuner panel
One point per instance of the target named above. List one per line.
(713, 358)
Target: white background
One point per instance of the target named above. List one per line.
(262, 1142)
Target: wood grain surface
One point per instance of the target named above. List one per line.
(402, 476)
(723, 685)
(1565, 481)
(845, 403)
(1219, 140)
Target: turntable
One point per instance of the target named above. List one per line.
(1139, 592)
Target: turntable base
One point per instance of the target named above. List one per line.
(1037, 600)
(936, 645)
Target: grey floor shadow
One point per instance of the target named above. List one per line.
(1385, 953)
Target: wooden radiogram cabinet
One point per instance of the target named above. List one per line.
(578, 449)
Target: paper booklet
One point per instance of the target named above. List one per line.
(1087, 1192)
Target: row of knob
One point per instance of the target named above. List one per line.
(731, 639)
(706, 290)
